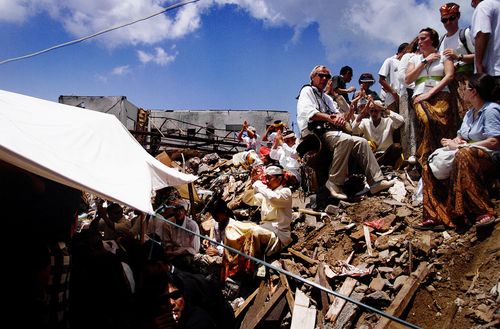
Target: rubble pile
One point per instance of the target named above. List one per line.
(369, 251)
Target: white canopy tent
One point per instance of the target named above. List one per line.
(84, 149)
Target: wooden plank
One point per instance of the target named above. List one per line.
(260, 299)
(245, 304)
(302, 256)
(277, 311)
(338, 303)
(262, 313)
(404, 296)
(348, 314)
(368, 240)
(289, 296)
(303, 317)
(321, 279)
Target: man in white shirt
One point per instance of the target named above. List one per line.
(314, 108)
(461, 52)
(378, 131)
(388, 79)
(285, 151)
(486, 33)
(275, 201)
(180, 246)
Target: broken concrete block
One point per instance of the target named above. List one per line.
(400, 280)
(377, 283)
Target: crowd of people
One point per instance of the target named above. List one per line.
(129, 270)
(427, 88)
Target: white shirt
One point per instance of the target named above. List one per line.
(436, 68)
(287, 157)
(403, 64)
(485, 20)
(275, 211)
(389, 70)
(176, 240)
(381, 134)
(310, 102)
(454, 43)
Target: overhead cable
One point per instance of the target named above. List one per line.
(69, 43)
(292, 275)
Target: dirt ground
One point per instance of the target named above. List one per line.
(465, 265)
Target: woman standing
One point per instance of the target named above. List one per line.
(409, 138)
(464, 196)
(431, 97)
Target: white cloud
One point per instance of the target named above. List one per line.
(121, 70)
(84, 17)
(16, 11)
(366, 29)
(160, 56)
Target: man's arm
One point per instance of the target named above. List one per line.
(387, 87)
(481, 41)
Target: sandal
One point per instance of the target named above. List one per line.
(485, 220)
(429, 225)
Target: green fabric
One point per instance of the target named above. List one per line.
(423, 79)
(466, 68)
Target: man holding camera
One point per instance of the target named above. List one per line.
(315, 107)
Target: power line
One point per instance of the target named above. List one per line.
(69, 43)
(290, 274)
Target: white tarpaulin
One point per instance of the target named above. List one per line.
(84, 149)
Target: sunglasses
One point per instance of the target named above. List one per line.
(174, 295)
(324, 75)
(446, 19)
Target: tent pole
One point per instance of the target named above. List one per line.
(191, 201)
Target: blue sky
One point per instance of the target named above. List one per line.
(215, 54)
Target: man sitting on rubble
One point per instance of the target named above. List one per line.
(315, 108)
(378, 130)
(248, 135)
(113, 224)
(210, 261)
(274, 231)
(180, 246)
(284, 150)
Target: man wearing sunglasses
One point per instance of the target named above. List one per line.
(315, 106)
(457, 45)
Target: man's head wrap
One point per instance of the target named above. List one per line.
(449, 9)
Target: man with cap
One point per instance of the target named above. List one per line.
(248, 135)
(314, 106)
(180, 246)
(275, 201)
(457, 45)
(284, 150)
(360, 99)
(271, 235)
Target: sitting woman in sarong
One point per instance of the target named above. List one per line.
(434, 107)
(464, 197)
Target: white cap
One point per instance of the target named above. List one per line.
(273, 170)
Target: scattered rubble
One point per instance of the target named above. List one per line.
(366, 250)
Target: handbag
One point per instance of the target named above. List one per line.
(441, 161)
